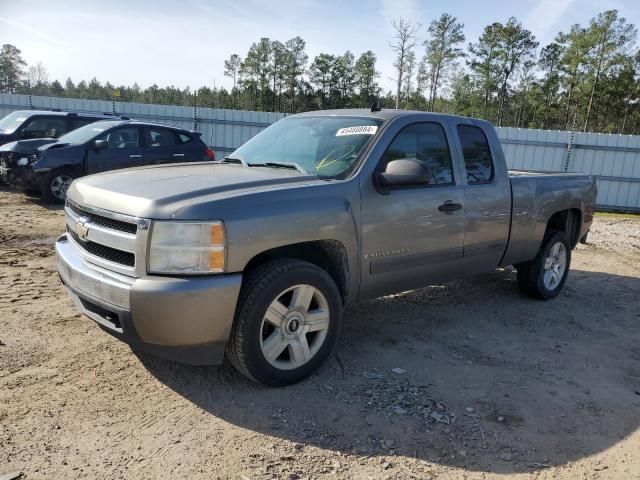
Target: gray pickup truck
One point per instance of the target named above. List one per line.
(254, 257)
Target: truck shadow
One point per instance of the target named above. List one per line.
(494, 381)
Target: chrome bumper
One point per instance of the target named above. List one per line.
(97, 282)
(187, 319)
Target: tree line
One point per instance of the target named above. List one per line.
(587, 78)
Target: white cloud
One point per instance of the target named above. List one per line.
(32, 31)
(394, 9)
(547, 18)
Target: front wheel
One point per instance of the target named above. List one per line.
(286, 322)
(544, 276)
(54, 185)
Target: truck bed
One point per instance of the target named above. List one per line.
(535, 197)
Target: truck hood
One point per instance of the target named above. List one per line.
(27, 146)
(160, 191)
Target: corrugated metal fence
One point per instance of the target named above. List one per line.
(614, 159)
(223, 130)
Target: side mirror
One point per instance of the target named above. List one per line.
(404, 172)
(98, 144)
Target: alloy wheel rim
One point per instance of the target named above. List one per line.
(554, 266)
(60, 185)
(294, 327)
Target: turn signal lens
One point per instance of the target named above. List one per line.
(216, 261)
(217, 234)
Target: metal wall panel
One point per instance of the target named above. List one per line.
(614, 159)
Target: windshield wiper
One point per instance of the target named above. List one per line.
(290, 165)
(234, 160)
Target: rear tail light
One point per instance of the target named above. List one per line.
(209, 153)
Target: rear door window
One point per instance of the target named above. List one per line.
(160, 137)
(477, 154)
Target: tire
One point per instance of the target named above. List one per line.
(54, 185)
(544, 276)
(267, 321)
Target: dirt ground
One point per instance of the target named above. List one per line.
(496, 384)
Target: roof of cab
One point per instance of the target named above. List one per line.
(384, 114)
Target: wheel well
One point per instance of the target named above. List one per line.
(330, 255)
(76, 169)
(568, 221)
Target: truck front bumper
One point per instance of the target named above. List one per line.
(186, 319)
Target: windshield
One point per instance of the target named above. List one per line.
(324, 146)
(86, 133)
(12, 121)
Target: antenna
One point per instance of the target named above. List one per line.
(376, 107)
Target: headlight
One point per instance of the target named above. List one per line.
(186, 247)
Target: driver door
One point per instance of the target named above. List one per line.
(123, 150)
(408, 237)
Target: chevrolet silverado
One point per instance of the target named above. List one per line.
(254, 257)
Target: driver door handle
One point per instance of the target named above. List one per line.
(135, 156)
(178, 154)
(449, 206)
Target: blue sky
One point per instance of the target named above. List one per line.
(185, 43)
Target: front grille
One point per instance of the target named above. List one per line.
(104, 221)
(102, 251)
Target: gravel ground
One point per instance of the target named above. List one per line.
(496, 385)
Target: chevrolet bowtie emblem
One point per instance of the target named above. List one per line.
(81, 229)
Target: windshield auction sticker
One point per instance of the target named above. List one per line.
(363, 130)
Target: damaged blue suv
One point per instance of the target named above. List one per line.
(51, 165)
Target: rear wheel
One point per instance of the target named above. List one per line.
(286, 322)
(544, 276)
(54, 185)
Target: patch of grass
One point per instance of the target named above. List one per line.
(633, 216)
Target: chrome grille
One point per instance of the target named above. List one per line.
(102, 251)
(104, 221)
(107, 239)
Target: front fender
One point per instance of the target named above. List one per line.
(70, 157)
(256, 223)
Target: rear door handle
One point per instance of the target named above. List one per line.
(178, 154)
(135, 156)
(449, 206)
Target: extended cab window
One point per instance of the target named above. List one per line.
(477, 154)
(45, 127)
(121, 138)
(160, 137)
(426, 142)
